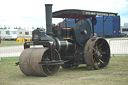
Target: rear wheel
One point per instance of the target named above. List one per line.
(96, 53)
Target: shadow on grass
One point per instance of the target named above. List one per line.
(79, 68)
(60, 72)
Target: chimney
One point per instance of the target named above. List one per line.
(48, 9)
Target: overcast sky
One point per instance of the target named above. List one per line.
(28, 13)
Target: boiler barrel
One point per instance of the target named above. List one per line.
(64, 46)
(67, 33)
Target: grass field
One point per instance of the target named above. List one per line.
(116, 73)
(9, 43)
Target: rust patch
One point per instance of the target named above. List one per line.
(94, 38)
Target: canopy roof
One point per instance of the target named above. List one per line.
(80, 14)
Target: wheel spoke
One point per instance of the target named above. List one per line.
(97, 63)
(101, 61)
(102, 52)
(100, 57)
(99, 49)
(96, 60)
(48, 69)
(100, 45)
(94, 49)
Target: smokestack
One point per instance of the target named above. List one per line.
(48, 9)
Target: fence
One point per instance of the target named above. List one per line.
(10, 49)
(117, 47)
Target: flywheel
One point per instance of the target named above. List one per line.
(82, 32)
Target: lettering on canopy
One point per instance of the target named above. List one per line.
(97, 13)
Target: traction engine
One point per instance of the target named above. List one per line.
(65, 46)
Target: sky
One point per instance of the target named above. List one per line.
(28, 13)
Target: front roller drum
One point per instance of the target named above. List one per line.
(96, 53)
(30, 58)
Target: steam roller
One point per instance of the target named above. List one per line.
(65, 46)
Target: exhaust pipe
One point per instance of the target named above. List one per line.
(48, 11)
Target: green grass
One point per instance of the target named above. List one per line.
(116, 73)
(9, 43)
(9, 59)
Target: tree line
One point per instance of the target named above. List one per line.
(18, 27)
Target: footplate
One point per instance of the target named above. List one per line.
(53, 62)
